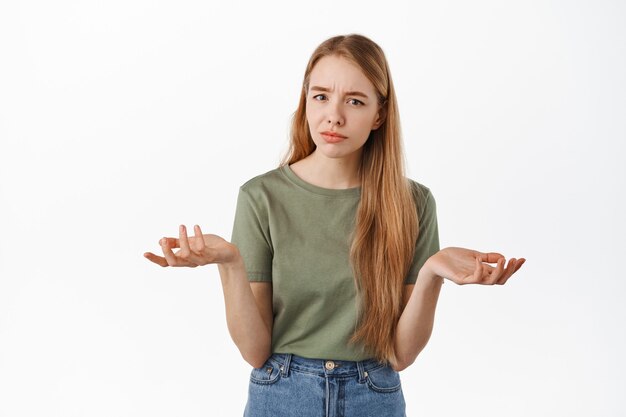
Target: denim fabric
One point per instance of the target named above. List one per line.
(289, 385)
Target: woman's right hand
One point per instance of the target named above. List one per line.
(194, 251)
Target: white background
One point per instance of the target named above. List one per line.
(120, 120)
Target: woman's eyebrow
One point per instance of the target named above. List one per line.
(348, 93)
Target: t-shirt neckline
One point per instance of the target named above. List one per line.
(345, 192)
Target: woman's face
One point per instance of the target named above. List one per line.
(341, 100)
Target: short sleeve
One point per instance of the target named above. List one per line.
(252, 238)
(427, 243)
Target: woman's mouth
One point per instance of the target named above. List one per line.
(331, 137)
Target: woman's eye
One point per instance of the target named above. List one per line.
(321, 97)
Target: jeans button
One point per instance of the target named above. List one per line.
(330, 365)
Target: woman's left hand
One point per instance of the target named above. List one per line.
(465, 266)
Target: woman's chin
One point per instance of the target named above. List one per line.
(335, 151)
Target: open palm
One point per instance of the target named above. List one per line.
(466, 266)
(194, 251)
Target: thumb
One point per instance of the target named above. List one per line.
(489, 257)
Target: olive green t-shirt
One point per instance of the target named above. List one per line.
(296, 235)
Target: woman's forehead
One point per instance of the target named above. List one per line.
(332, 72)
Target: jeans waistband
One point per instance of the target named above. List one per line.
(323, 367)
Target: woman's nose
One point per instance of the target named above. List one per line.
(334, 116)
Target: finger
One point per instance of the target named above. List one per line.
(515, 267)
(184, 242)
(172, 242)
(490, 257)
(185, 252)
(199, 239)
(478, 271)
(159, 260)
(486, 271)
(167, 252)
(496, 274)
(510, 269)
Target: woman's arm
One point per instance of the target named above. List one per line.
(248, 312)
(416, 322)
(248, 305)
(459, 265)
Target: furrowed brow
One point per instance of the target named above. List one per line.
(348, 93)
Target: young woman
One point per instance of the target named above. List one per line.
(334, 270)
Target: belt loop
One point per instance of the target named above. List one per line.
(362, 373)
(284, 369)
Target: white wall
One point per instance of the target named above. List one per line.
(121, 120)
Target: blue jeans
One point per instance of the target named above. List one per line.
(289, 385)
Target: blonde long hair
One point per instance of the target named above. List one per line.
(386, 226)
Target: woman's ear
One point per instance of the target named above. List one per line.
(380, 118)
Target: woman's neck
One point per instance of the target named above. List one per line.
(333, 173)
